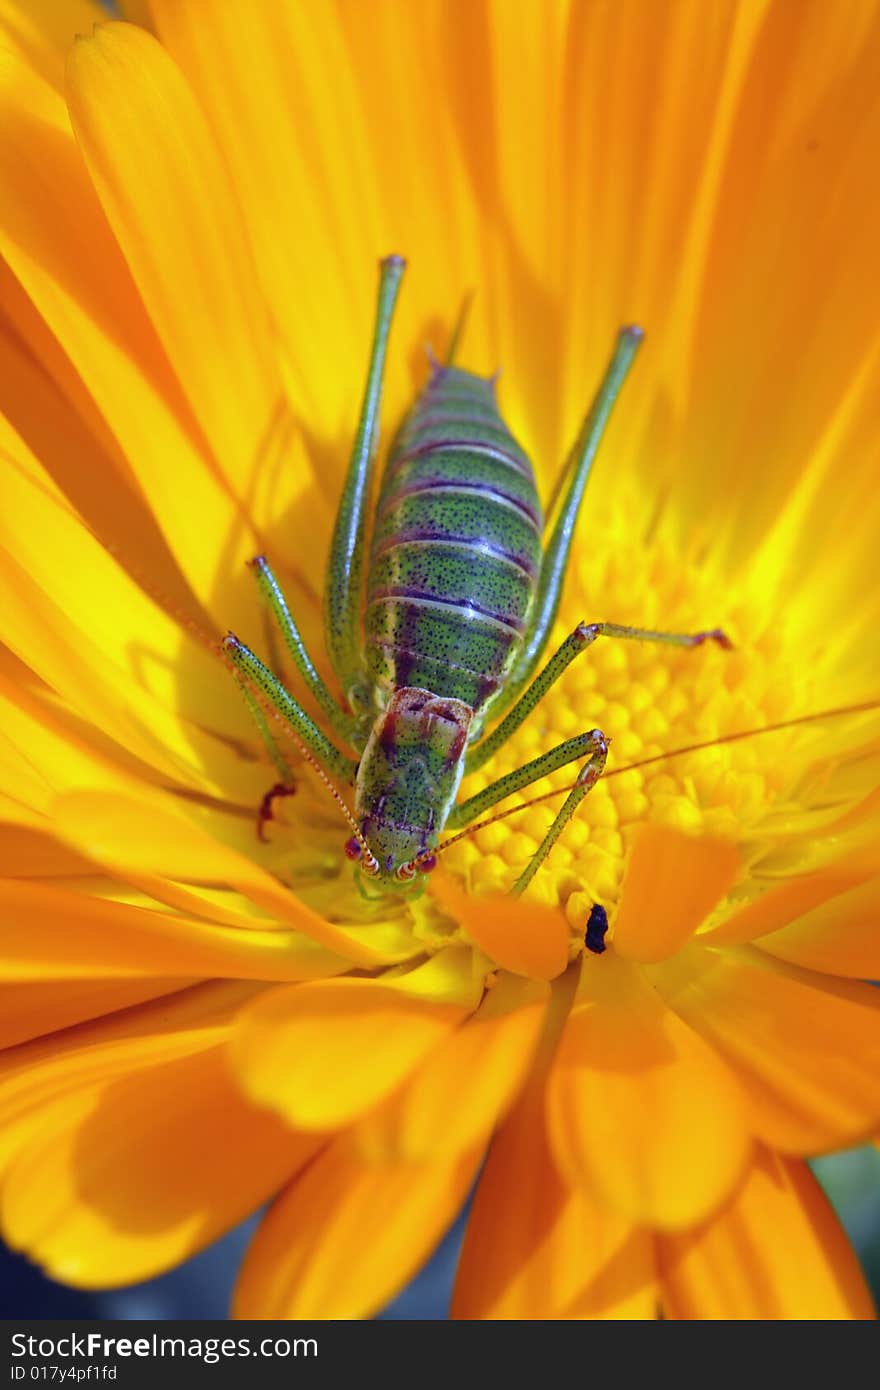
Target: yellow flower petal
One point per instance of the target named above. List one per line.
(776, 1252)
(52, 934)
(462, 1088)
(30, 1009)
(40, 755)
(798, 897)
(524, 937)
(146, 836)
(100, 642)
(538, 1248)
(106, 607)
(57, 242)
(200, 356)
(115, 1196)
(37, 1074)
(323, 1054)
(805, 1047)
(27, 853)
(322, 201)
(81, 467)
(751, 408)
(136, 11)
(672, 881)
(165, 191)
(838, 938)
(641, 1112)
(43, 32)
(300, 1263)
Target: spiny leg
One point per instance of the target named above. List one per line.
(342, 591)
(593, 744)
(578, 641)
(279, 701)
(272, 592)
(586, 780)
(287, 785)
(558, 549)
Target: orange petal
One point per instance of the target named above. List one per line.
(805, 1047)
(57, 242)
(39, 755)
(50, 933)
(323, 1054)
(302, 1263)
(838, 938)
(795, 897)
(777, 1252)
(641, 1112)
(337, 87)
(28, 1010)
(43, 33)
(111, 652)
(671, 883)
(35, 854)
(536, 1248)
(523, 937)
(165, 190)
(464, 1085)
(37, 1074)
(106, 609)
(146, 836)
(108, 1195)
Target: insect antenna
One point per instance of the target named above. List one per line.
(738, 737)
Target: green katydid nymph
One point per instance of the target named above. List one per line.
(462, 589)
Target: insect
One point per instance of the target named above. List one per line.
(462, 589)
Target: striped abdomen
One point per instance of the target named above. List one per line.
(456, 546)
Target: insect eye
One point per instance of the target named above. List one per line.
(352, 848)
(428, 863)
(405, 873)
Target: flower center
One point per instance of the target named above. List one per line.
(648, 698)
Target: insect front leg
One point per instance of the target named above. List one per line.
(594, 744)
(578, 641)
(587, 778)
(342, 590)
(265, 692)
(287, 785)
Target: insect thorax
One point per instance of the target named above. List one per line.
(409, 774)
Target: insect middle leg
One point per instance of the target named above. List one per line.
(578, 641)
(287, 785)
(277, 604)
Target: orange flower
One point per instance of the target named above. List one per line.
(195, 1022)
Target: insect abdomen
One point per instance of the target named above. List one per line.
(456, 546)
